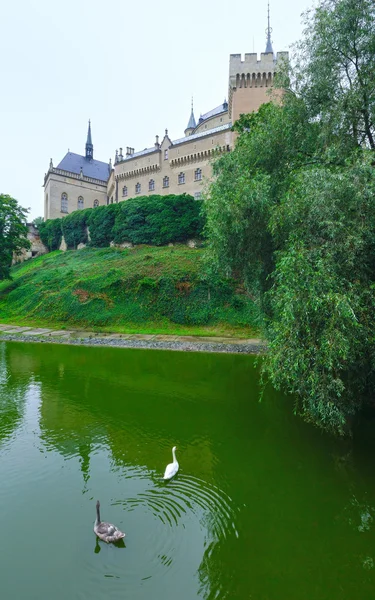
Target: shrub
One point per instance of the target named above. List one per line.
(158, 220)
(74, 227)
(51, 234)
(101, 221)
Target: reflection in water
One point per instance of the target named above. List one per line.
(263, 506)
(12, 398)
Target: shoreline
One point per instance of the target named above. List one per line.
(136, 341)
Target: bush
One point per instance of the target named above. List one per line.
(158, 220)
(74, 227)
(51, 234)
(101, 221)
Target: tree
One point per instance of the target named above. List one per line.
(335, 67)
(13, 233)
(292, 211)
(38, 221)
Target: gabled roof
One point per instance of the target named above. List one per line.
(90, 168)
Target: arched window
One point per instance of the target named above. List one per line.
(166, 154)
(64, 202)
(165, 182)
(198, 174)
(181, 178)
(80, 203)
(137, 188)
(151, 185)
(124, 191)
(96, 203)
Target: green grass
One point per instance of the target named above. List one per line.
(142, 290)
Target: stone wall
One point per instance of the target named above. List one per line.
(37, 247)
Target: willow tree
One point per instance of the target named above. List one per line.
(292, 212)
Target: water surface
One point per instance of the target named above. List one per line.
(264, 507)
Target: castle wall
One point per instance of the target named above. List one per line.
(184, 158)
(57, 184)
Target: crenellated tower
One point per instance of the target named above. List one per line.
(251, 78)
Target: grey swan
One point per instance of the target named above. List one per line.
(106, 531)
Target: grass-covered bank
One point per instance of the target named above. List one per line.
(144, 290)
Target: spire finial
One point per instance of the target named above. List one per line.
(269, 48)
(89, 146)
(191, 124)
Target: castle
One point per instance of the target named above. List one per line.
(169, 166)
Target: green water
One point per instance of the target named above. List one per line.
(264, 507)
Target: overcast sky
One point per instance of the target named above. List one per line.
(130, 67)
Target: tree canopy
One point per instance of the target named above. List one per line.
(292, 211)
(13, 233)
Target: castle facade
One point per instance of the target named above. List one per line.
(170, 166)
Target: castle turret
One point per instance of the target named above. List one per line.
(89, 146)
(191, 124)
(250, 78)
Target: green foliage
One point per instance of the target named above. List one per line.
(101, 221)
(322, 331)
(74, 227)
(51, 234)
(292, 213)
(38, 221)
(13, 233)
(113, 288)
(158, 220)
(335, 70)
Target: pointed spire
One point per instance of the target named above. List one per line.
(192, 124)
(269, 48)
(89, 146)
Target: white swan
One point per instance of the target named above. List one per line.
(106, 531)
(173, 467)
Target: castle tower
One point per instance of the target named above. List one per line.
(191, 124)
(89, 146)
(249, 79)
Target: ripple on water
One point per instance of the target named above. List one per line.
(170, 509)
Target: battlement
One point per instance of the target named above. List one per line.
(252, 63)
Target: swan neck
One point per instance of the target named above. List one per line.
(174, 456)
(97, 514)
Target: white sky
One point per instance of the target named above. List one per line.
(131, 67)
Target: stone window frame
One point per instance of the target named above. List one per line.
(151, 185)
(198, 174)
(80, 201)
(138, 188)
(197, 195)
(64, 202)
(124, 191)
(166, 182)
(181, 178)
(166, 153)
(96, 203)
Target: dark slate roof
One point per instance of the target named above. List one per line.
(207, 132)
(192, 124)
(215, 111)
(90, 168)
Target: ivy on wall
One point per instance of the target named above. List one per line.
(154, 220)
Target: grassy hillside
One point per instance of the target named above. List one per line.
(145, 289)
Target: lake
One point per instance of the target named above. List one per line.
(264, 506)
